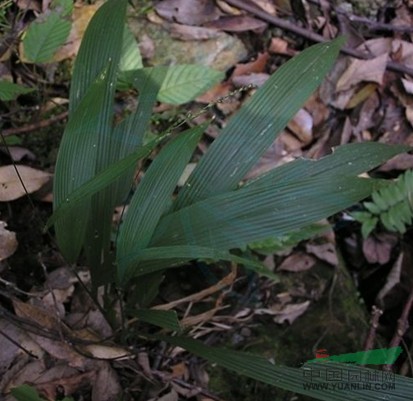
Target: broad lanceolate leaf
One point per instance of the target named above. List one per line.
(311, 379)
(45, 35)
(274, 204)
(184, 83)
(154, 195)
(252, 130)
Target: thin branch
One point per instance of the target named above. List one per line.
(312, 36)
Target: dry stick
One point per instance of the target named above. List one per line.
(35, 126)
(402, 325)
(314, 37)
(371, 25)
(375, 316)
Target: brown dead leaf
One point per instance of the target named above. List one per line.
(171, 396)
(216, 92)
(238, 24)
(35, 5)
(288, 312)
(326, 252)
(363, 70)
(106, 386)
(377, 248)
(302, 126)
(180, 371)
(8, 242)
(291, 312)
(297, 262)
(11, 352)
(266, 5)
(256, 79)
(195, 12)
(280, 46)
(10, 185)
(67, 379)
(399, 162)
(189, 32)
(17, 153)
(256, 66)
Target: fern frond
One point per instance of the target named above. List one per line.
(392, 206)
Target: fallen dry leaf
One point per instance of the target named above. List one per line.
(280, 46)
(82, 14)
(291, 312)
(10, 186)
(326, 252)
(195, 12)
(256, 66)
(237, 24)
(266, 5)
(106, 386)
(8, 242)
(189, 32)
(17, 153)
(297, 262)
(363, 70)
(377, 248)
(288, 312)
(302, 126)
(256, 79)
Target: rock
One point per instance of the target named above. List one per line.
(221, 52)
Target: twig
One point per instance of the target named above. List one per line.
(312, 36)
(375, 316)
(402, 325)
(372, 25)
(35, 126)
(403, 322)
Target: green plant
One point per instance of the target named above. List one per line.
(392, 206)
(25, 392)
(212, 214)
(48, 32)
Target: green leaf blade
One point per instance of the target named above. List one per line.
(154, 194)
(184, 83)
(43, 38)
(252, 130)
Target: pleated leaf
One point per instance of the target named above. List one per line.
(154, 195)
(86, 147)
(304, 380)
(130, 61)
(101, 181)
(176, 255)
(161, 318)
(76, 165)
(350, 160)
(101, 44)
(290, 197)
(252, 130)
